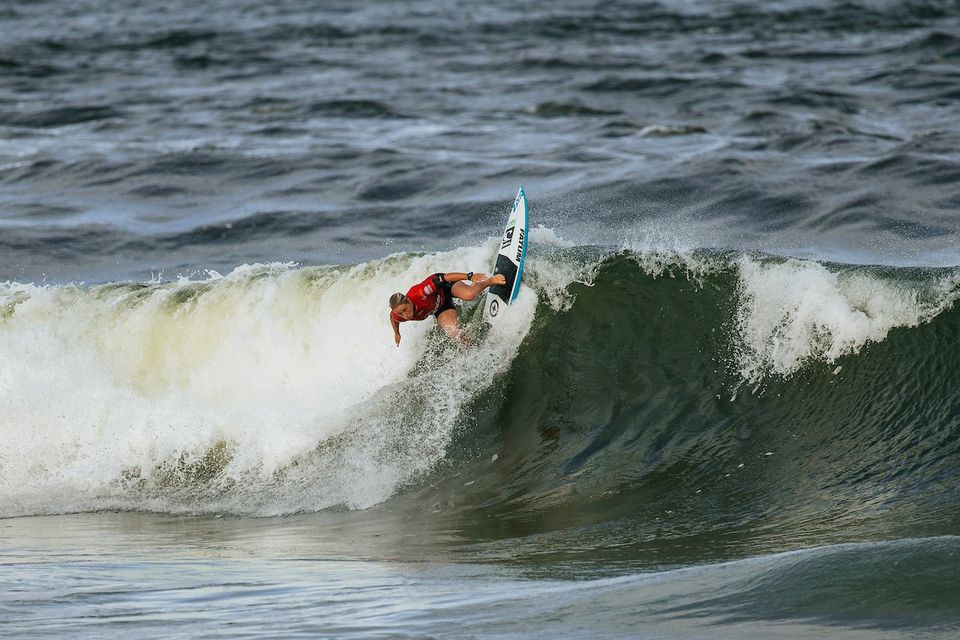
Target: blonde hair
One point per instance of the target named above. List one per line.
(398, 299)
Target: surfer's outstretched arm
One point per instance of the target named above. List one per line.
(466, 291)
(396, 330)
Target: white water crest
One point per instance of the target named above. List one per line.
(797, 311)
(792, 312)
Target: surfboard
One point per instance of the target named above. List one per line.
(510, 259)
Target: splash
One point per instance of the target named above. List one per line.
(793, 312)
(207, 395)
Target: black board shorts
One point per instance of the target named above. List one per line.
(446, 293)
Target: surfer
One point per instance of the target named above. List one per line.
(435, 296)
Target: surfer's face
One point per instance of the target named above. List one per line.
(404, 310)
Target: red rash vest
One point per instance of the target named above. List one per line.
(426, 298)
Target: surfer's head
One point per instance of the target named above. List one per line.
(401, 305)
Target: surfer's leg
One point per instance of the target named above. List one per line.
(468, 292)
(465, 291)
(450, 322)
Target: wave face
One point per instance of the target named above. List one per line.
(731, 402)
(717, 398)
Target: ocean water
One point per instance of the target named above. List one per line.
(724, 405)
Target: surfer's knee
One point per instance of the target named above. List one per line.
(450, 323)
(452, 331)
(456, 333)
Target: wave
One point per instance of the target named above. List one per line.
(702, 396)
(853, 590)
(563, 109)
(60, 117)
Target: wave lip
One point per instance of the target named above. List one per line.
(797, 311)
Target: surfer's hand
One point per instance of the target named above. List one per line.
(396, 338)
(498, 279)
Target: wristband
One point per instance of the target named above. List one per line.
(470, 276)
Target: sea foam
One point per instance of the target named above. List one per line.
(206, 395)
(796, 311)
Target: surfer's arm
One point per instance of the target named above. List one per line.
(456, 276)
(396, 330)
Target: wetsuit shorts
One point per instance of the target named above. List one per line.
(446, 293)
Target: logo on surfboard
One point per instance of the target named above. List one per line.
(494, 308)
(507, 238)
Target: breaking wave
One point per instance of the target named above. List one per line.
(686, 390)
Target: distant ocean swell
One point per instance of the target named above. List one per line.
(712, 396)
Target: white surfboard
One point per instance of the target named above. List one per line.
(513, 252)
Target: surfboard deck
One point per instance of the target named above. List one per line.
(510, 259)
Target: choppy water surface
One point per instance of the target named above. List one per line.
(194, 135)
(724, 404)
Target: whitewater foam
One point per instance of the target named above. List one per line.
(793, 312)
(268, 390)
